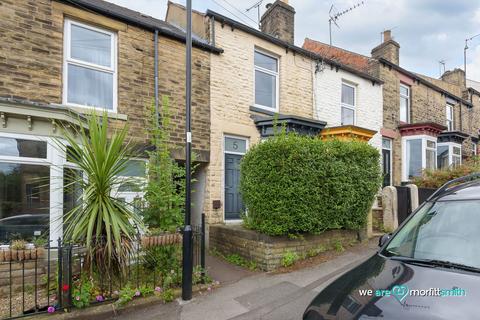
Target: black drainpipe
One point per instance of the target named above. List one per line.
(156, 74)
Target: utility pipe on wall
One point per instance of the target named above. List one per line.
(156, 75)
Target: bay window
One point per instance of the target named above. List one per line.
(348, 104)
(419, 153)
(266, 81)
(90, 71)
(449, 155)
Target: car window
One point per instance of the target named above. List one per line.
(445, 230)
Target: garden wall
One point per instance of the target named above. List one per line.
(268, 251)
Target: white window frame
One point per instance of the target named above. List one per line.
(474, 148)
(55, 161)
(408, 97)
(247, 145)
(450, 146)
(348, 106)
(405, 162)
(450, 117)
(142, 182)
(67, 59)
(269, 72)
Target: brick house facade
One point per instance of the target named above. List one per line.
(436, 119)
(37, 52)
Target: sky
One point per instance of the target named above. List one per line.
(428, 31)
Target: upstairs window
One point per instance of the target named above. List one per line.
(90, 70)
(348, 104)
(449, 114)
(266, 81)
(404, 103)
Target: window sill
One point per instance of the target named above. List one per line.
(263, 111)
(87, 111)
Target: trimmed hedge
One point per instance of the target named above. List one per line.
(295, 184)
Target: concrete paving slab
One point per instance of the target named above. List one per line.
(263, 296)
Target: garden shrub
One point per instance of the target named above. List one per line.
(295, 184)
(436, 178)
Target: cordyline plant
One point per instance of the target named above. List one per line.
(103, 223)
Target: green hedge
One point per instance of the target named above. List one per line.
(294, 184)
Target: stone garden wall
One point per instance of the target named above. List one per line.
(268, 251)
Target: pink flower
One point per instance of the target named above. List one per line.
(137, 293)
(51, 309)
(158, 289)
(100, 298)
(77, 298)
(209, 288)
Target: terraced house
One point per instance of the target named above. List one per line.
(60, 60)
(428, 123)
(262, 77)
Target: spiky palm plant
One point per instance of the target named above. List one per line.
(103, 223)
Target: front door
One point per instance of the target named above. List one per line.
(234, 148)
(233, 199)
(387, 161)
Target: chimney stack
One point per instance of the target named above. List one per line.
(389, 49)
(278, 21)
(455, 76)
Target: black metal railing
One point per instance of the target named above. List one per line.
(56, 276)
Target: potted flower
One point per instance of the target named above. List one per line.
(17, 248)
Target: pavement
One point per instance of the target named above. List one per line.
(254, 295)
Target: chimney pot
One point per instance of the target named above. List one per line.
(387, 35)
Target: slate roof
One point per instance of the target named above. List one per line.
(139, 19)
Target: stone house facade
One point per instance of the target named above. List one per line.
(262, 76)
(427, 123)
(60, 60)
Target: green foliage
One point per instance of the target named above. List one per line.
(125, 295)
(241, 261)
(104, 223)
(18, 245)
(198, 277)
(289, 258)
(165, 191)
(295, 184)
(163, 259)
(167, 295)
(82, 291)
(436, 178)
(337, 246)
(146, 290)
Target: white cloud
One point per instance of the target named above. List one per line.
(473, 67)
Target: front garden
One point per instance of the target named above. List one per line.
(112, 249)
(301, 194)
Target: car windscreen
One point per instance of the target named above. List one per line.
(444, 230)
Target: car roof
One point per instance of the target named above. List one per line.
(464, 191)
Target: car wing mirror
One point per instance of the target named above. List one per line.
(383, 239)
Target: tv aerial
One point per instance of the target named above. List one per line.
(334, 15)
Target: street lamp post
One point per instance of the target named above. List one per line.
(187, 250)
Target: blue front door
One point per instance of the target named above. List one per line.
(233, 199)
